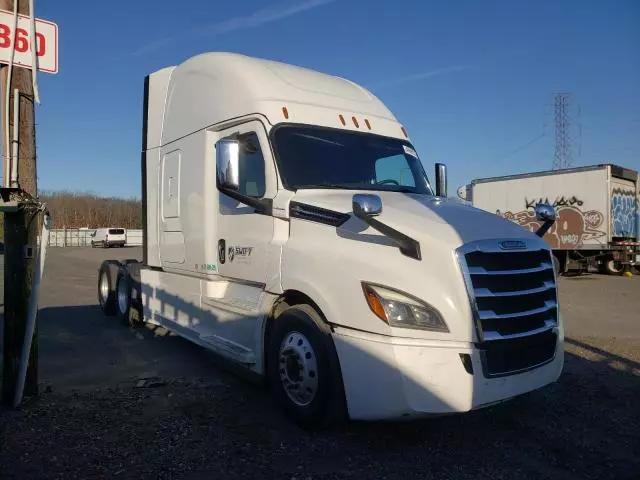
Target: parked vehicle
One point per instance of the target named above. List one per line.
(598, 215)
(289, 226)
(109, 237)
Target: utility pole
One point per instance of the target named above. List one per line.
(20, 226)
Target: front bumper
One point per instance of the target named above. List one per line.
(390, 377)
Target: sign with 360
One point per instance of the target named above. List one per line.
(45, 44)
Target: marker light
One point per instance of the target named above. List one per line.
(285, 112)
(355, 122)
(400, 310)
(342, 120)
(366, 121)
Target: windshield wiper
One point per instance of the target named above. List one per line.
(401, 190)
(360, 187)
(327, 185)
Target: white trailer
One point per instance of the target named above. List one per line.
(597, 208)
(289, 226)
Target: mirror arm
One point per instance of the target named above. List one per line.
(261, 205)
(408, 246)
(544, 228)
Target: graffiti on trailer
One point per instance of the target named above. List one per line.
(624, 208)
(572, 228)
(558, 202)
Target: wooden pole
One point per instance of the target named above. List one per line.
(21, 231)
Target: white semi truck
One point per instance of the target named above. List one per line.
(597, 207)
(289, 227)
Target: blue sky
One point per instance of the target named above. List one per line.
(473, 81)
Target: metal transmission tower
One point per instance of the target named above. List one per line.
(562, 157)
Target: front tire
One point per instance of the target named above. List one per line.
(303, 368)
(556, 265)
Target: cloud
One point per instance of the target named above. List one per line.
(256, 19)
(266, 15)
(150, 47)
(483, 62)
(419, 76)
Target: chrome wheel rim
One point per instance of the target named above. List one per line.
(123, 298)
(298, 368)
(104, 289)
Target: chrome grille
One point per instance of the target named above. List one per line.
(514, 300)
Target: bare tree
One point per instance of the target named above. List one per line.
(78, 209)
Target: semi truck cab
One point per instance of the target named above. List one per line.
(290, 227)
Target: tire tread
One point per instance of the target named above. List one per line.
(330, 409)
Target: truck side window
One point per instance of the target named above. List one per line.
(251, 168)
(395, 168)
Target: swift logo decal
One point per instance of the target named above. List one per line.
(239, 253)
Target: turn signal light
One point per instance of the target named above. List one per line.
(374, 303)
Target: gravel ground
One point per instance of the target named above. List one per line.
(200, 422)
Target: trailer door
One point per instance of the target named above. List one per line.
(624, 209)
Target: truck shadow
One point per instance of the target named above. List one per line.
(550, 433)
(598, 356)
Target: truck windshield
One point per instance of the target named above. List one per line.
(313, 157)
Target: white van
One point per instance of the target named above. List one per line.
(109, 237)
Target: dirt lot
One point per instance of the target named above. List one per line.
(198, 421)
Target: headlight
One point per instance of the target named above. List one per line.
(401, 310)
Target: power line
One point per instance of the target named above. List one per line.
(518, 149)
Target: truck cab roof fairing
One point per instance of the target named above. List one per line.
(215, 87)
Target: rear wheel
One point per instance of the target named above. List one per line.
(127, 311)
(613, 267)
(303, 368)
(107, 278)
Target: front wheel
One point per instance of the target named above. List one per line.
(303, 368)
(556, 265)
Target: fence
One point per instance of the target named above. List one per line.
(75, 237)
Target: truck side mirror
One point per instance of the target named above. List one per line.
(547, 214)
(464, 192)
(227, 163)
(441, 180)
(366, 205)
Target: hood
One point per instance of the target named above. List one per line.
(421, 216)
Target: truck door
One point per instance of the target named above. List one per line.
(243, 237)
